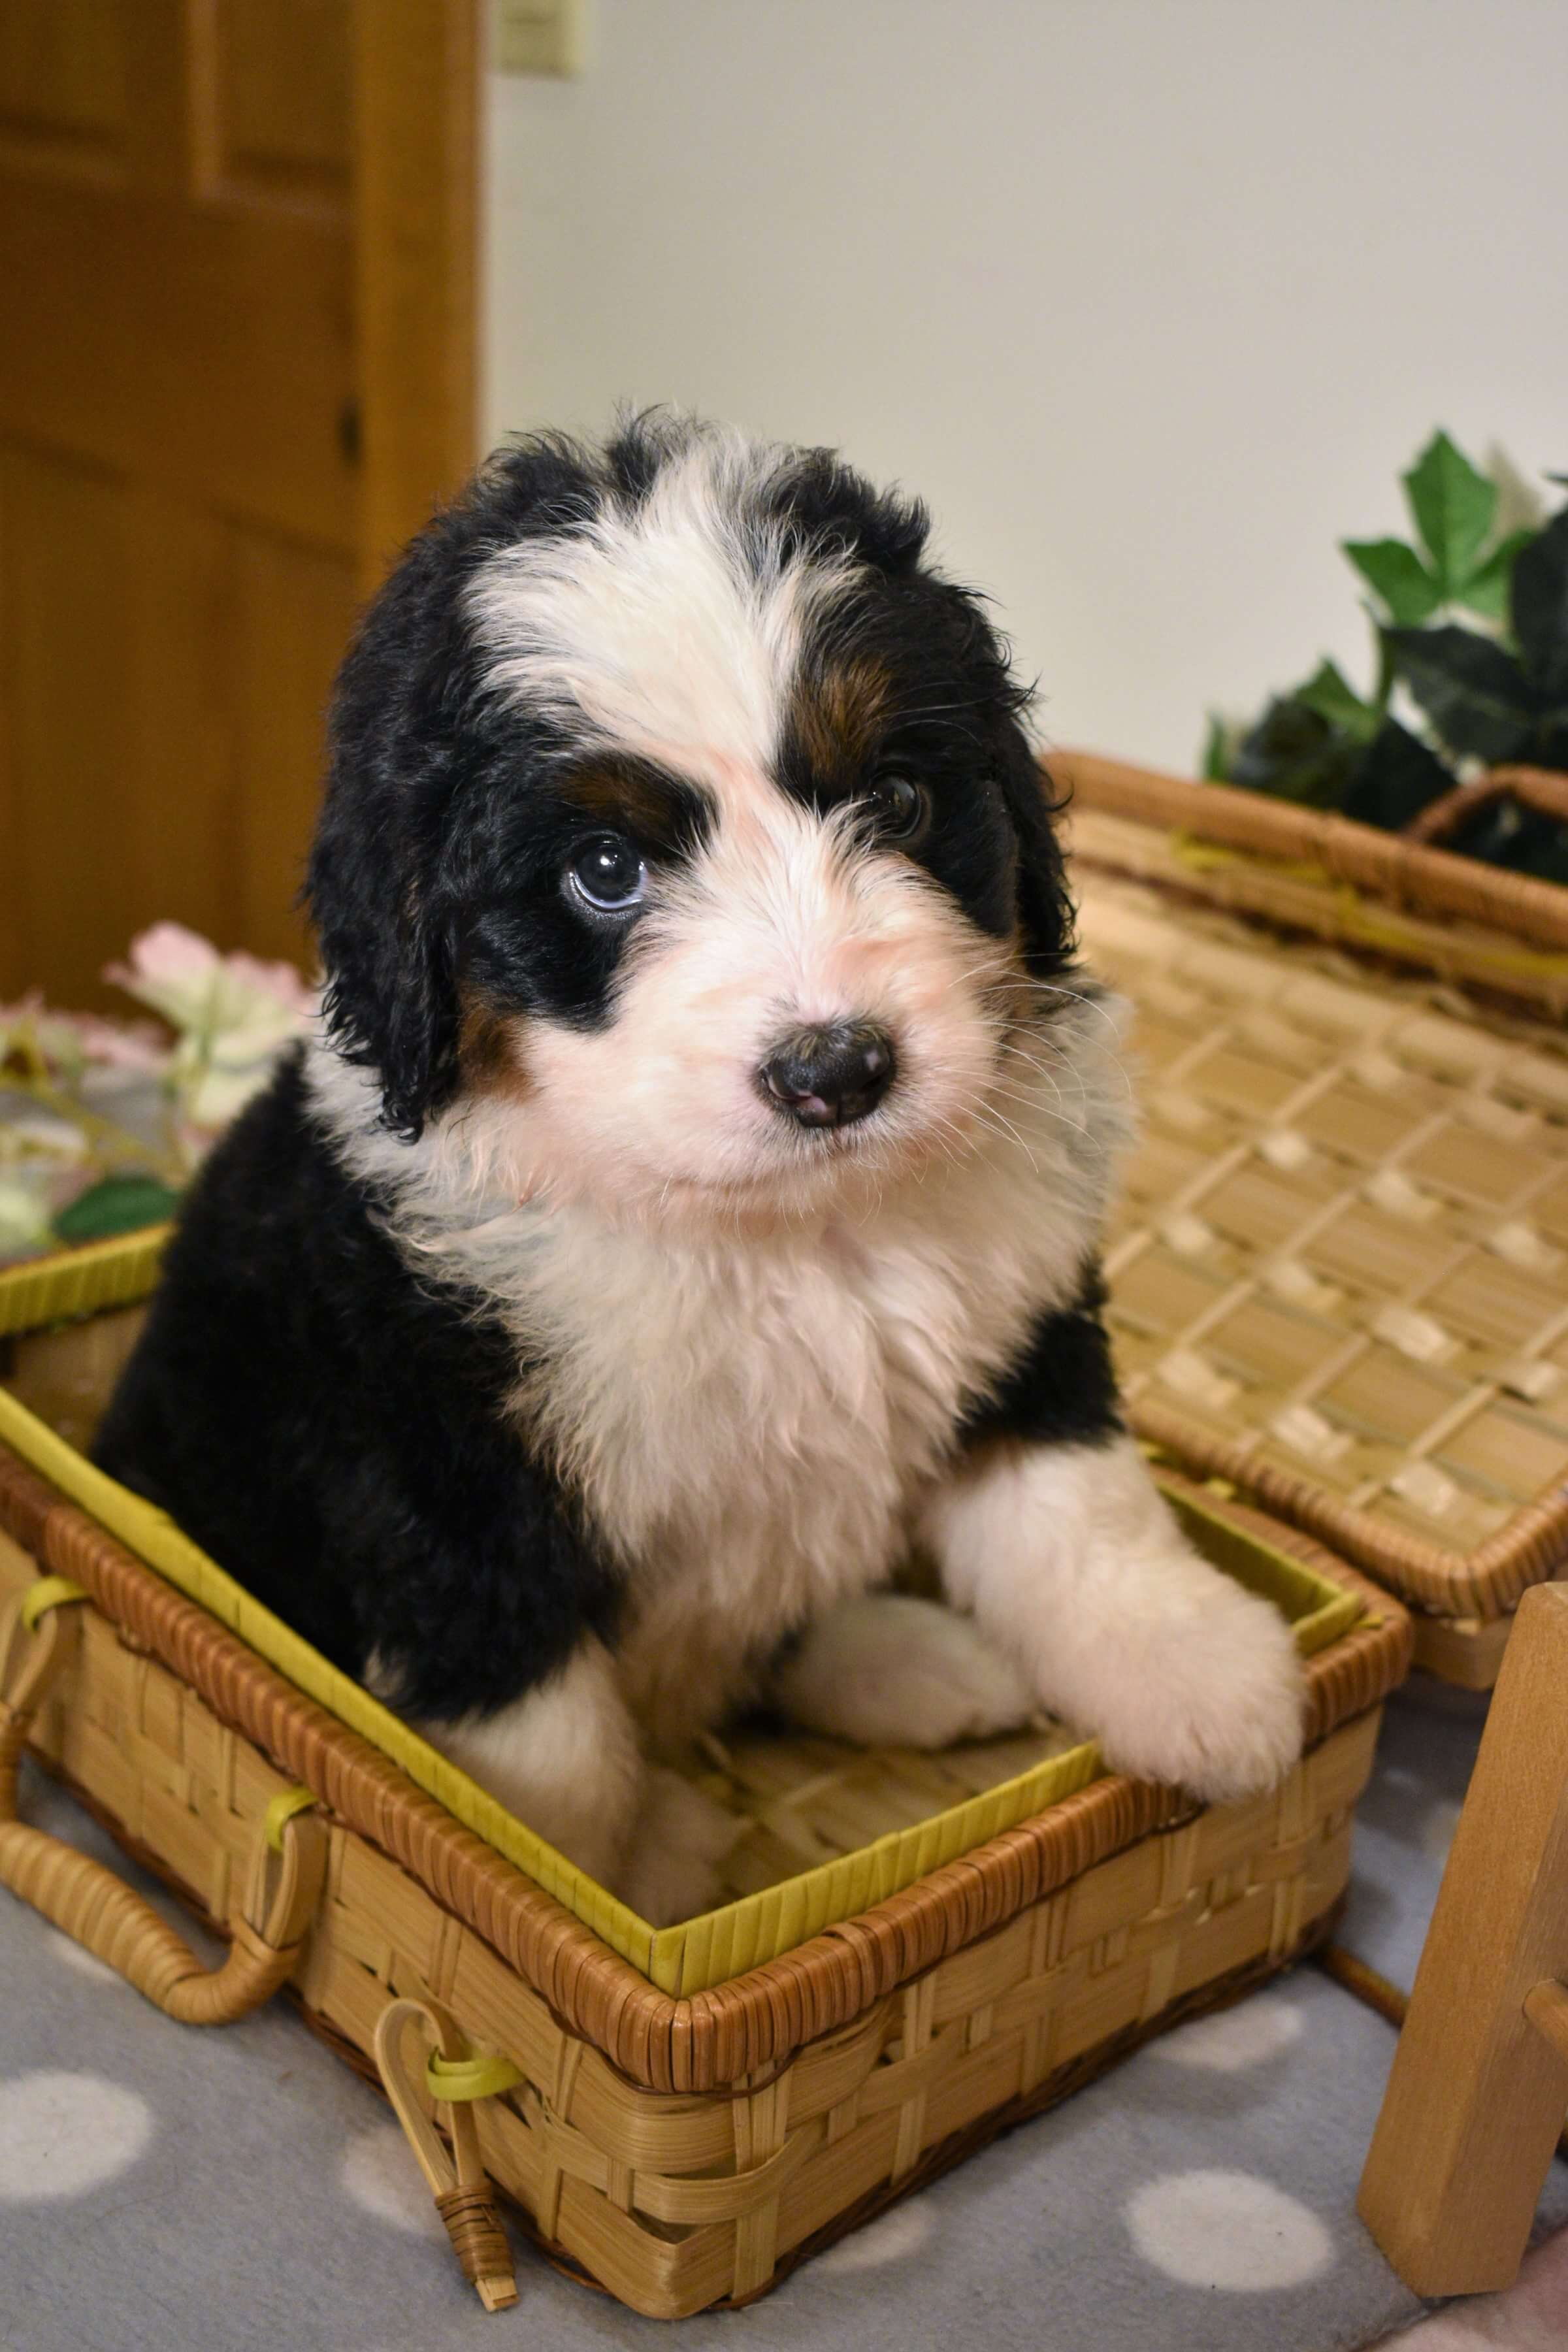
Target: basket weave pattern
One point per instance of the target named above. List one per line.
(681, 2149)
(1341, 1271)
(1327, 877)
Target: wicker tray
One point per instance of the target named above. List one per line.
(1340, 1276)
(679, 2149)
(80, 1281)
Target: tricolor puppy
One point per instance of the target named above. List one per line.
(691, 1204)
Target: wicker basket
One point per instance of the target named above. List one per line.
(681, 2149)
(1340, 1274)
(81, 1281)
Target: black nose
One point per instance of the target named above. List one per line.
(829, 1078)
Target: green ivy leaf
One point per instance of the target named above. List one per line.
(1395, 574)
(1454, 507)
(1215, 768)
(1486, 589)
(1328, 693)
(1475, 695)
(1540, 607)
(1295, 754)
(116, 1205)
(1396, 779)
(1504, 834)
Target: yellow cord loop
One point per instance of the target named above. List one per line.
(468, 2078)
(48, 1593)
(283, 1807)
(453, 2077)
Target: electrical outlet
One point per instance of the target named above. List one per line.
(539, 36)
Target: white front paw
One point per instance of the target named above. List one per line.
(1211, 1701)
(887, 1670)
(678, 1846)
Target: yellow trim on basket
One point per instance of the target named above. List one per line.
(283, 1807)
(48, 1593)
(68, 1283)
(697, 1954)
(1352, 911)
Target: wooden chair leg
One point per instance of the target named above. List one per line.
(1479, 2087)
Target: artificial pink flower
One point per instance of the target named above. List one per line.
(234, 1013)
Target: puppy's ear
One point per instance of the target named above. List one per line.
(408, 755)
(1046, 913)
(374, 883)
(390, 1000)
(1045, 908)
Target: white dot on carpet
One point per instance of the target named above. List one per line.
(379, 2175)
(1233, 2038)
(76, 1956)
(889, 2238)
(1227, 2229)
(61, 2134)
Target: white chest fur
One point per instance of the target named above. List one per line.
(754, 1423)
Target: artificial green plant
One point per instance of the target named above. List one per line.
(1471, 622)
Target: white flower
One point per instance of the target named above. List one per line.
(234, 1016)
(40, 1135)
(24, 1219)
(252, 1007)
(70, 1044)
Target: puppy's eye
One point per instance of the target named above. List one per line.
(607, 875)
(895, 809)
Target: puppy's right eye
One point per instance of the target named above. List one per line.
(607, 875)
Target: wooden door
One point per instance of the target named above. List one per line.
(236, 370)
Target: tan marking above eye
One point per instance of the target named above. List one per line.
(624, 797)
(837, 711)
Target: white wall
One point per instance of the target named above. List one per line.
(1150, 299)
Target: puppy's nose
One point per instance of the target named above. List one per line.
(829, 1078)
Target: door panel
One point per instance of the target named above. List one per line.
(294, 606)
(63, 85)
(186, 253)
(205, 346)
(64, 677)
(180, 771)
(267, 132)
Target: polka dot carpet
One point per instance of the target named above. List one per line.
(240, 2191)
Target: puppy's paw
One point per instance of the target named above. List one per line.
(1211, 1701)
(679, 1843)
(887, 1670)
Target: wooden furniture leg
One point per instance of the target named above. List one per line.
(1479, 2085)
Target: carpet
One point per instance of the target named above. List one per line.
(242, 2191)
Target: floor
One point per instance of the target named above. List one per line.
(240, 2189)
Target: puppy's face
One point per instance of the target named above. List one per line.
(739, 869)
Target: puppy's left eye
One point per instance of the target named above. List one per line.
(607, 875)
(895, 809)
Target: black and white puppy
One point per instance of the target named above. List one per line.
(691, 1204)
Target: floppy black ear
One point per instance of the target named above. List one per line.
(390, 1000)
(374, 877)
(407, 733)
(1045, 908)
(1046, 913)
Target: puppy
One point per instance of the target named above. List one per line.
(690, 1205)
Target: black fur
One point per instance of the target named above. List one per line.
(333, 1432)
(332, 1427)
(1062, 1389)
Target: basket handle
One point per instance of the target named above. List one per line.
(95, 1908)
(453, 2079)
(1541, 789)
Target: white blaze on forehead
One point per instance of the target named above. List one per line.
(672, 628)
